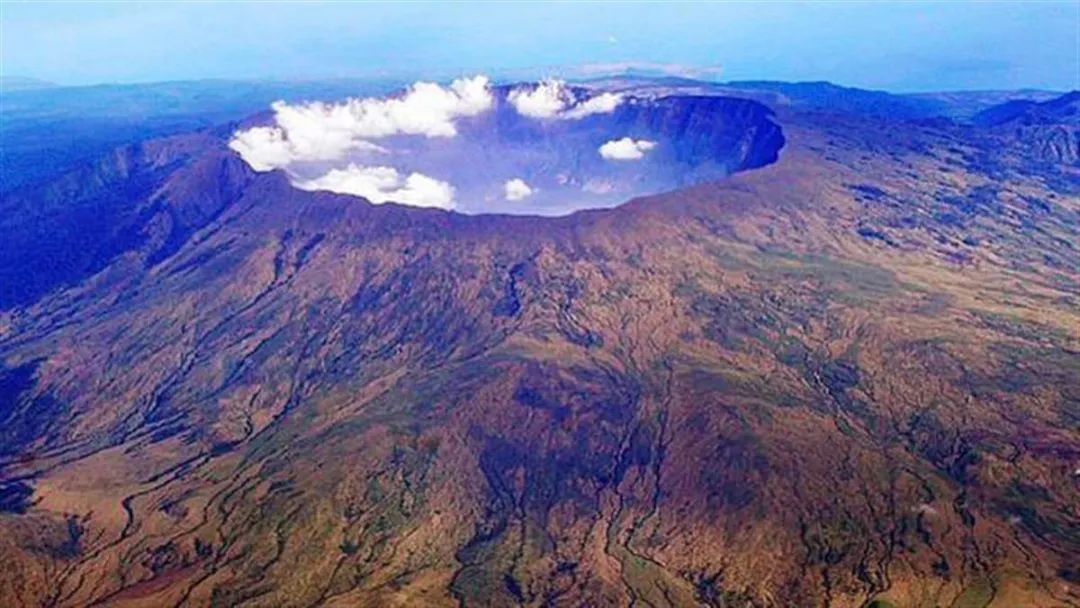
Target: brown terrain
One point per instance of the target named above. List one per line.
(849, 378)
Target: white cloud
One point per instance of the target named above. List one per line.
(545, 100)
(551, 98)
(605, 103)
(264, 148)
(320, 131)
(516, 189)
(267, 148)
(626, 149)
(384, 184)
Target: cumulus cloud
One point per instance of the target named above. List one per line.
(384, 184)
(626, 149)
(264, 148)
(321, 132)
(516, 189)
(545, 100)
(604, 103)
(268, 148)
(552, 98)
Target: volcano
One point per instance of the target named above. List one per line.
(817, 356)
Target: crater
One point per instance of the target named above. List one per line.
(533, 149)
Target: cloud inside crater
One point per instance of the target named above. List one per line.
(626, 149)
(385, 149)
(552, 98)
(383, 185)
(320, 131)
(516, 189)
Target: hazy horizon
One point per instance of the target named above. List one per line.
(509, 80)
(901, 47)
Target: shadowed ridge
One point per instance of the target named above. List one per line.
(143, 199)
(1065, 108)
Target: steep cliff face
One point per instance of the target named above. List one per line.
(142, 200)
(1050, 128)
(736, 133)
(1057, 110)
(848, 376)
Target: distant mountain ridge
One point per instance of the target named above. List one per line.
(23, 83)
(827, 96)
(1061, 109)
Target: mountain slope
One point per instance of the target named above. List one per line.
(1050, 111)
(145, 197)
(1050, 128)
(853, 374)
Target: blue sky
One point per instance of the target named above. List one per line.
(900, 46)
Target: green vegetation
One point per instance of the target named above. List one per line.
(977, 595)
